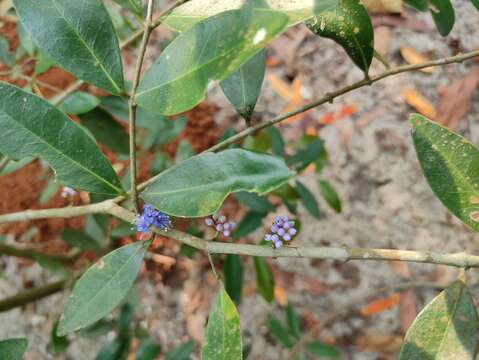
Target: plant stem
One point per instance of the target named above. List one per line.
(131, 103)
(27, 296)
(3, 163)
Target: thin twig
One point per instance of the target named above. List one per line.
(27, 296)
(131, 102)
(329, 97)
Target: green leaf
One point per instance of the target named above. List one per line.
(148, 350)
(293, 321)
(445, 329)
(264, 278)
(279, 332)
(43, 63)
(443, 14)
(330, 195)
(259, 204)
(349, 25)
(194, 11)
(79, 36)
(420, 5)
(242, 88)
(57, 344)
(48, 192)
(181, 352)
(475, 3)
(450, 164)
(198, 186)
(223, 333)
(6, 56)
(310, 150)
(115, 350)
(277, 141)
(25, 40)
(13, 349)
(233, 269)
(249, 223)
(80, 240)
(216, 47)
(308, 200)
(322, 350)
(102, 287)
(133, 5)
(33, 127)
(184, 151)
(106, 130)
(79, 103)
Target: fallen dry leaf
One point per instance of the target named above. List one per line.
(413, 58)
(280, 295)
(379, 305)
(456, 99)
(420, 103)
(379, 342)
(290, 93)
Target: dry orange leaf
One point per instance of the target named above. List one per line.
(280, 295)
(380, 305)
(290, 93)
(280, 87)
(413, 57)
(420, 103)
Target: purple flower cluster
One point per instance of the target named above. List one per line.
(220, 224)
(282, 230)
(152, 217)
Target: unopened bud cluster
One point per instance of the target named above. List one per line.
(221, 224)
(282, 230)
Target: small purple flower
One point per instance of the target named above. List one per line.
(221, 224)
(68, 192)
(152, 217)
(282, 230)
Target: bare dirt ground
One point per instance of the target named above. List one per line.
(386, 204)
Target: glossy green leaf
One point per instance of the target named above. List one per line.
(114, 350)
(308, 199)
(210, 50)
(194, 11)
(322, 350)
(223, 333)
(33, 127)
(420, 5)
(249, 223)
(102, 287)
(258, 204)
(475, 3)
(148, 350)
(78, 35)
(198, 186)
(181, 352)
(6, 57)
(79, 103)
(330, 195)
(242, 88)
(233, 270)
(264, 278)
(349, 25)
(277, 141)
(443, 14)
(80, 240)
(293, 321)
(13, 349)
(280, 332)
(451, 166)
(445, 329)
(106, 130)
